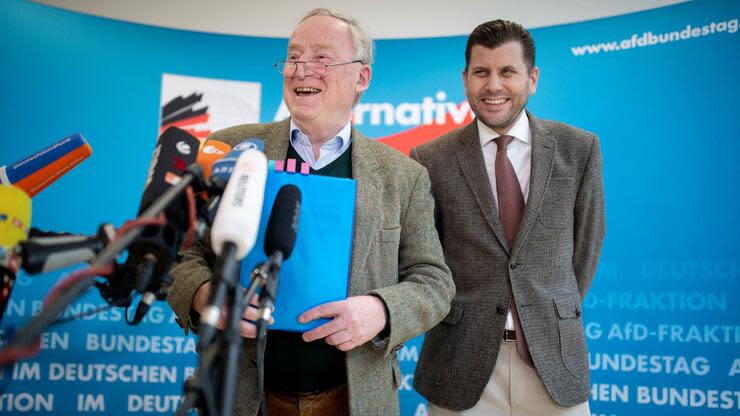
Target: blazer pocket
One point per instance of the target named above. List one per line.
(557, 208)
(390, 239)
(572, 338)
(390, 235)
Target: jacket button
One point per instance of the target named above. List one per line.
(500, 310)
(578, 311)
(513, 265)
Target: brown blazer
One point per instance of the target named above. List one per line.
(396, 255)
(548, 271)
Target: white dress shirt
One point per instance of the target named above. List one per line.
(329, 151)
(520, 155)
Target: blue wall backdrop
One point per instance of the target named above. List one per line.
(659, 87)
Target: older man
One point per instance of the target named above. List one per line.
(399, 285)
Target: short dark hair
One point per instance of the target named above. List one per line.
(497, 32)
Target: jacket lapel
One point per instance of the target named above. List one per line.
(470, 158)
(277, 140)
(543, 149)
(367, 203)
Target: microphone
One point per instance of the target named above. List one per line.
(217, 159)
(251, 143)
(222, 168)
(211, 152)
(176, 149)
(15, 217)
(234, 232)
(152, 253)
(37, 171)
(44, 251)
(221, 172)
(237, 220)
(280, 237)
(282, 227)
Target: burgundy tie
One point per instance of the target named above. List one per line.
(510, 207)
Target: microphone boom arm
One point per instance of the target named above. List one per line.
(31, 331)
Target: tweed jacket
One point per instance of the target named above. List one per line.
(396, 255)
(548, 271)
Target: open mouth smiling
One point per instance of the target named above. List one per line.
(495, 101)
(306, 91)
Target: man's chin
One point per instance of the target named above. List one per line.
(303, 114)
(499, 123)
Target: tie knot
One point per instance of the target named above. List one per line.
(503, 141)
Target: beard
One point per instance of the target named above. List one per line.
(500, 122)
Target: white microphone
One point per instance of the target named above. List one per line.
(238, 218)
(234, 233)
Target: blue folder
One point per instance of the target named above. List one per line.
(318, 269)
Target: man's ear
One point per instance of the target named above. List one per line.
(534, 76)
(363, 80)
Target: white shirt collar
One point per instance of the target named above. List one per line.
(329, 151)
(338, 143)
(520, 130)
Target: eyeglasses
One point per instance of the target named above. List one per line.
(310, 68)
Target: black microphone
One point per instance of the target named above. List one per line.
(280, 237)
(218, 160)
(210, 154)
(151, 255)
(46, 251)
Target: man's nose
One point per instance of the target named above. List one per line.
(494, 83)
(300, 70)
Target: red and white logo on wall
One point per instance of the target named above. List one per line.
(203, 105)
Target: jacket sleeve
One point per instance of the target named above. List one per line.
(589, 220)
(422, 297)
(189, 274)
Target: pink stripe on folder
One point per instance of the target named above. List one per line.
(290, 166)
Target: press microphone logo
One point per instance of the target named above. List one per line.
(172, 178)
(241, 190)
(17, 223)
(296, 217)
(210, 149)
(245, 146)
(183, 148)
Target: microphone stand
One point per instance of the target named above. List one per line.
(31, 331)
(199, 388)
(222, 285)
(267, 303)
(223, 374)
(232, 339)
(269, 292)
